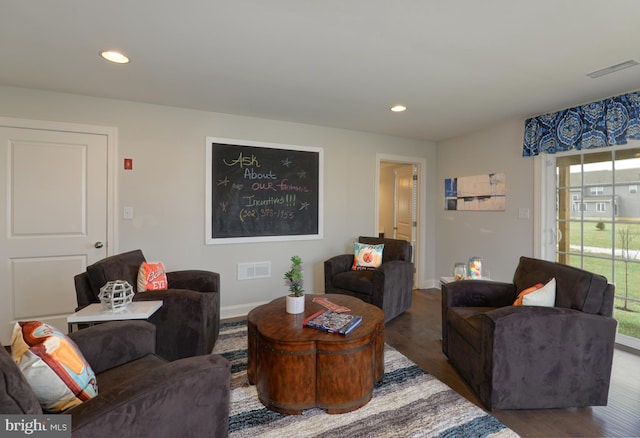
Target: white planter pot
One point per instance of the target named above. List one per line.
(295, 304)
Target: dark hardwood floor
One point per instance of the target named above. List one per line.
(416, 334)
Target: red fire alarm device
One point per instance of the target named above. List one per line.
(128, 164)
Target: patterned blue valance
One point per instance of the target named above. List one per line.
(595, 125)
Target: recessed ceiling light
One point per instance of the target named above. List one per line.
(113, 56)
(398, 108)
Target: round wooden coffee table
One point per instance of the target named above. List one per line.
(296, 368)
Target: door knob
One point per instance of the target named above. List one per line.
(98, 245)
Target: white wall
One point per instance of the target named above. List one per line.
(500, 238)
(167, 184)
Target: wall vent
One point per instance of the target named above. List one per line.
(250, 271)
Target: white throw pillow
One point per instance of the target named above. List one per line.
(545, 296)
(54, 367)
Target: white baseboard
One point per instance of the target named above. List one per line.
(239, 309)
(628, 343)
(431, 284)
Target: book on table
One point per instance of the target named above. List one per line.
(333, 322)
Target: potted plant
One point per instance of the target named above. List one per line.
(295, 299)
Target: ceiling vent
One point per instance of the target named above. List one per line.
(613, 68)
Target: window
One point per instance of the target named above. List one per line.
(605, 241)
(578, 206)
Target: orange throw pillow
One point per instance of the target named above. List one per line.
(518, 301)
(152, 276)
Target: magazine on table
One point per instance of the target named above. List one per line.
(333, 322)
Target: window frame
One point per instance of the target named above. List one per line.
(546, 203)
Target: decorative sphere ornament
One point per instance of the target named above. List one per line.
(116, 295)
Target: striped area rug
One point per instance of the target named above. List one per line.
(407, 402)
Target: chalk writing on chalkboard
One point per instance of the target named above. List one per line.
(262, 191)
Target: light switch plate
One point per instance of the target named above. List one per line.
(523, 213)
(127, 213)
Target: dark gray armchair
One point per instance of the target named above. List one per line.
(139, 394)
(389, 287)
(530, 357)
(187, 324)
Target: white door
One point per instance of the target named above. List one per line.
(405, 224)
(404, 203)
(53, 220)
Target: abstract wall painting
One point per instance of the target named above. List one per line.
(476, 193)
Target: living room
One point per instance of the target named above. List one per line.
(167, 183)
(167, 146)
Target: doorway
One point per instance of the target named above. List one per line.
(398, 209)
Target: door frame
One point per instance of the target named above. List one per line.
(421, 164)
(111, 133)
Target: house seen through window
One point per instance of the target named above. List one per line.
(597, 223)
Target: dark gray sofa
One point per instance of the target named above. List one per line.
(529, 357)
(389, 287)
(139, 394)
(187, 324)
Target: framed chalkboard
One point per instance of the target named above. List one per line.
(262, 191)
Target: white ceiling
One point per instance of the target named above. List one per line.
(458, 65)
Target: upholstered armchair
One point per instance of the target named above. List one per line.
(188, 322)
(139, 394)
(389, 287)
(529, 357)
